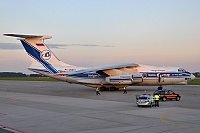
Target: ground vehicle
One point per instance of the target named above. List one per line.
(145, 100)
(167, 94)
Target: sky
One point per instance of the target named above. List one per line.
(92, 33)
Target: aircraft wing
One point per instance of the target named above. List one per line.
(105, 69)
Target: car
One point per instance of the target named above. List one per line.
(145, 100)
(167, 94)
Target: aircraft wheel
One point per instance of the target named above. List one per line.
(164, 99)
(107, 89)
(177, 98)
(102, 89)
(113, 89)
(151, 105)
(116, 89)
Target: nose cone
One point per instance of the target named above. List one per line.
(192, 77)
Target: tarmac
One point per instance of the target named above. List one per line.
(59, 107)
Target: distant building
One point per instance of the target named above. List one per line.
(197, 74)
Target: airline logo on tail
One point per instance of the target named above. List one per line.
(46, 54)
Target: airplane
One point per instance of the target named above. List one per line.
(109, 77)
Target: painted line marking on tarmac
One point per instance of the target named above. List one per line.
(6, 128)
(162, 118)
(11, 129)
(2, 114)
(12, 98)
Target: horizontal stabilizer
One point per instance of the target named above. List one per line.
(28, 36)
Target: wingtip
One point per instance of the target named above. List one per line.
(7, 34)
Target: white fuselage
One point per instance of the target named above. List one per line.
(141, 75)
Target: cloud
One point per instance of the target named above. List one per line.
(77, 45)
(10, 46)
(16, 46)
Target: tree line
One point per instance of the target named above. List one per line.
(18, 74)
(197, 74)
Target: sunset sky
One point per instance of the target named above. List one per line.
(102, 32)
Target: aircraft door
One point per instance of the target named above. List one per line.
(160, 78)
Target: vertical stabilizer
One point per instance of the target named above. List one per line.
(41, 56)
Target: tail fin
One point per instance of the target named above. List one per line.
(41, 56)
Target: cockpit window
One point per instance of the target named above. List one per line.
(183, 70)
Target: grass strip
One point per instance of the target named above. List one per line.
(29, 78)
(196, 81)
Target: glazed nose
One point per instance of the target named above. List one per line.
(192, 77)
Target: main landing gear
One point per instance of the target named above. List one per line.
(108, 89)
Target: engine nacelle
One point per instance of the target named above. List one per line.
(124, 79)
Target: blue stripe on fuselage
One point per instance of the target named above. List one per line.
(86, 75)
(165, 74)
(148, 75)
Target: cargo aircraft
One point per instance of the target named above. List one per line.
(109, 77)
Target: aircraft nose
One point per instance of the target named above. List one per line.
(192, 77)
